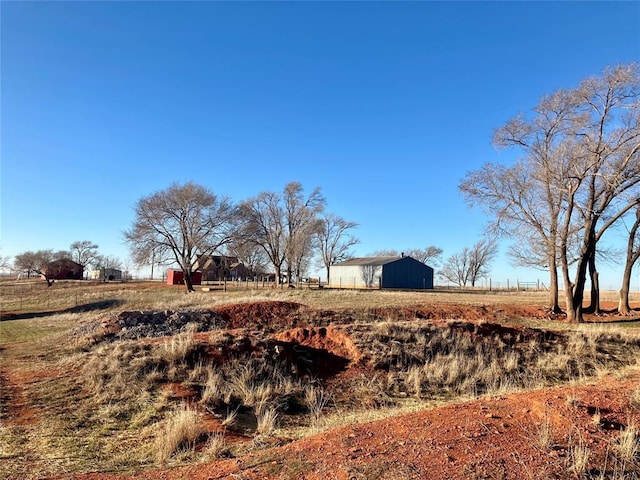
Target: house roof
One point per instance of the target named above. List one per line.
(368, 261)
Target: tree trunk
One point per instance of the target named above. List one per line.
(188, 282)
(554, 303)
(574, 308)
(623, 303)
(573, 293)
(632, 258)
(594, 304)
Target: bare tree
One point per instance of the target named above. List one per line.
(263, 218)
(84, 252)
(575, 180)
(5, 263)
(605, 151)
(301, 225)
(249, 254)
(283, 225)
(334, 241)
(37, 262)
(105, 263)
(456, 268)
(430, 254)
(471, 264)
(185, 221)
(32, 262)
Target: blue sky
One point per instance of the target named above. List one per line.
(384, 105)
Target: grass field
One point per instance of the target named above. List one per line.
(76, 401)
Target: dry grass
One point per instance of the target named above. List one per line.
(178, 433)
(579, 459)
(215, 446)
(545, 434)
(316, 399)
(628, 445)
(267, 421)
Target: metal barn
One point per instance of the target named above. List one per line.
(381, 272)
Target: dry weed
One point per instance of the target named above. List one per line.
(177, 348)
(267, 422)
(316, 399)
(215, 446)
(178, 433)
(628, 444)
(578, 459)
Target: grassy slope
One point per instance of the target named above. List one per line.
(56, 426)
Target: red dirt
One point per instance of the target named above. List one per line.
(260, 314)
(321, 338)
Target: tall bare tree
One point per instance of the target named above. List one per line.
(249, 254)
(301, 225)
(263, 226)
(185, 221)
(334, 240)
(606, 160)
(36, 262)
(84, 252)
(471, 264)
(284, 226)
(576, 178)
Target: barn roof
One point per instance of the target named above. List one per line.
(368, 261)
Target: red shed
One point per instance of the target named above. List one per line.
(176, 277)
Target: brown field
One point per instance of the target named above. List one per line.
(140, 380)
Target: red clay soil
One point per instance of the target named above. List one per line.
(495, 437)
(266, 314)
(323, 338)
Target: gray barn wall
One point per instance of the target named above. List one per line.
(355, 276)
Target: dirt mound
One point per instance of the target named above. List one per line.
(450, 311)
(263, 315)
(320, 351)
(323, 338)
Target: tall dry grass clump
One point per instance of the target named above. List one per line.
(178, 347)
(628, 444)
(316, 399)
(178, 433)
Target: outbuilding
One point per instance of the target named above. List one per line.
(176, 277)
(64, 269)
(381, 272)
(107, 274)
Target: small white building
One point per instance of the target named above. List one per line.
(107, 275)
